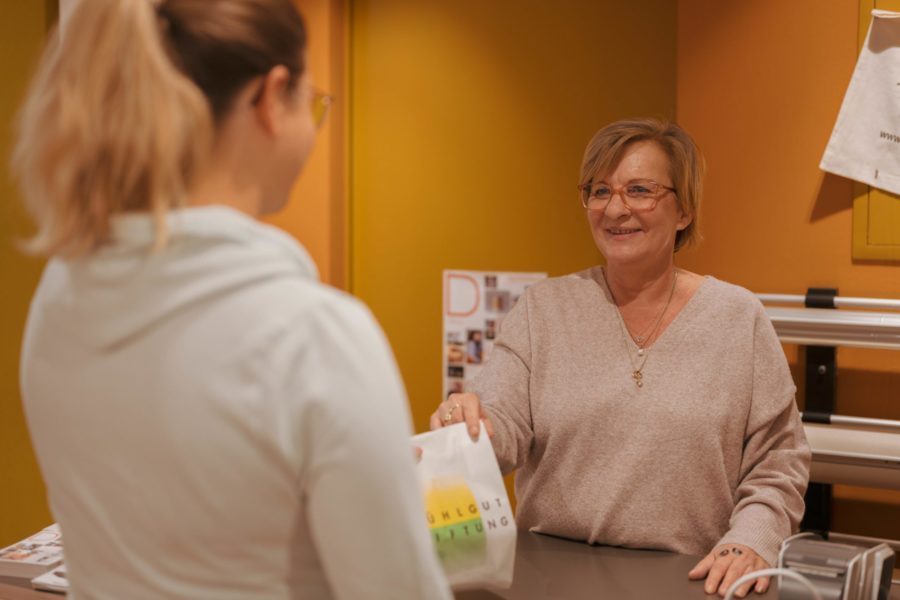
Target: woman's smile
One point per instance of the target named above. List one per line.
(623, 233)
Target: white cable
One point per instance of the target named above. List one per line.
(729, 595)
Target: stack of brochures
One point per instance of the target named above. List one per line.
(37, 558)
(54, 580)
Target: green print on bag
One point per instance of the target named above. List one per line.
(457, 526)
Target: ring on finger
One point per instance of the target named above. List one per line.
(449, 416)
(737, 551)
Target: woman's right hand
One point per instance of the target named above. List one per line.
(462, 407)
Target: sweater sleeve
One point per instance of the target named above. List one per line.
(774, 469)
(503, 387)
(363, 504)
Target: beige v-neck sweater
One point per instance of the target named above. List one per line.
(710, 450)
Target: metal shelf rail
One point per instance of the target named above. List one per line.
(846, 449)
(827, 327)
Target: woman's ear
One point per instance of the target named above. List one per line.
(683, 221)
(271, 103)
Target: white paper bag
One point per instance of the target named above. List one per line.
(467, 508)
(865, 143)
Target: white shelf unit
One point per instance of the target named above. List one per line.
(846, 450)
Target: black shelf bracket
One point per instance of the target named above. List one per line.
(821, 378)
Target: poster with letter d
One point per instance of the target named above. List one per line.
(467, 509)
(475, 303)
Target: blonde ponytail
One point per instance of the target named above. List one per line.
(109, 125)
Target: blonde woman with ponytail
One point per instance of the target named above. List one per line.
(210, 421)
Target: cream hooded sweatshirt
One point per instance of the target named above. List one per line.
(212, 422)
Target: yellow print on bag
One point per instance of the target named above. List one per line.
(457, 523)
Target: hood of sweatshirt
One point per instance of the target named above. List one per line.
(126, 287)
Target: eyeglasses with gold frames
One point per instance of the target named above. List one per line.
(320, 104)
(639, 195)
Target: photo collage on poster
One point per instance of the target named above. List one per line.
(474, 305)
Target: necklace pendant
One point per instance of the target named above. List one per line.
(638, 378)
(639, 339)
(640, 351)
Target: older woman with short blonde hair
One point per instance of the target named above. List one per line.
(643, 405)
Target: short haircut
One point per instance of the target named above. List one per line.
(686, 165)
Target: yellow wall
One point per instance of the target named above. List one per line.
(468, 121)
(759, 86)
(23, 508)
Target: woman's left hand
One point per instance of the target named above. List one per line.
(725, 564)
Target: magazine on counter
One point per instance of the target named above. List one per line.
(34, 555)
(54, 580)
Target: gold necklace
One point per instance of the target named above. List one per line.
(643, 354)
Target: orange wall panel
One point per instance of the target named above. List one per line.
(759, 86)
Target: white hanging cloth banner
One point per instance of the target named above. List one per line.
(865, 143)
